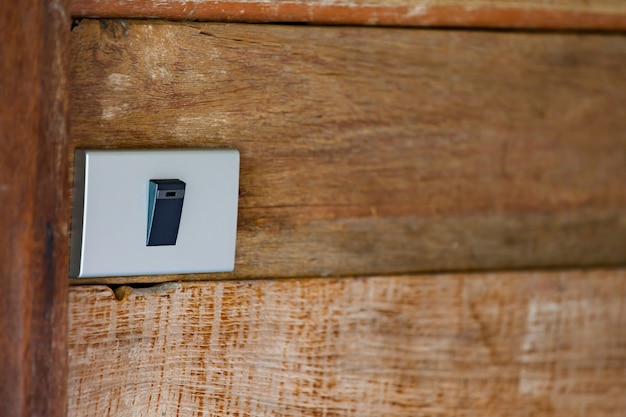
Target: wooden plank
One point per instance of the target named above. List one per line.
(34, 93)
(377, 151)
(556, 14)
(515, 344)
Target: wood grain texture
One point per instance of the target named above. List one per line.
(377, 151)
(34, 99)
(515, 344)
(531, 14)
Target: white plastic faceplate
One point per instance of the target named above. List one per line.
(110, 215)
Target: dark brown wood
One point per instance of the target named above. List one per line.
(548, 344)
(34, 51)
(377, 151)
(559, 14)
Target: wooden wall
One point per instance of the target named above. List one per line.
(34, 99)
(488, 344)
(377, 151)
(525, 14)
(369, 156)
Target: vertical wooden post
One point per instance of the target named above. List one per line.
(34, 46)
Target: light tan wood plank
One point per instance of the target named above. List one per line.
(532, 14)
(515, 344)
(377, 151)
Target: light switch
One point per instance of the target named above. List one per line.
(165, 206)
(143, 212)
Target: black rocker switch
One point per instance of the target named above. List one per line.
(165, 206)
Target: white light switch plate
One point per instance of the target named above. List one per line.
(110, 217)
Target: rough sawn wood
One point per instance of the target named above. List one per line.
(377, 151)
(515, 344)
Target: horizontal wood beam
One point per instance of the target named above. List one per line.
(563, 14)
(377, 151)
(515, 344)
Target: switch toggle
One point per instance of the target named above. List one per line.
(165, 206)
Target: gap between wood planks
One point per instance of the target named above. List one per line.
(121, 291)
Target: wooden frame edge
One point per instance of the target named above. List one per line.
(34, 45)
(343, 14)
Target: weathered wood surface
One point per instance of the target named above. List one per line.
(377, 151)
(532, 14)
(34, 96)
(514, 344)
